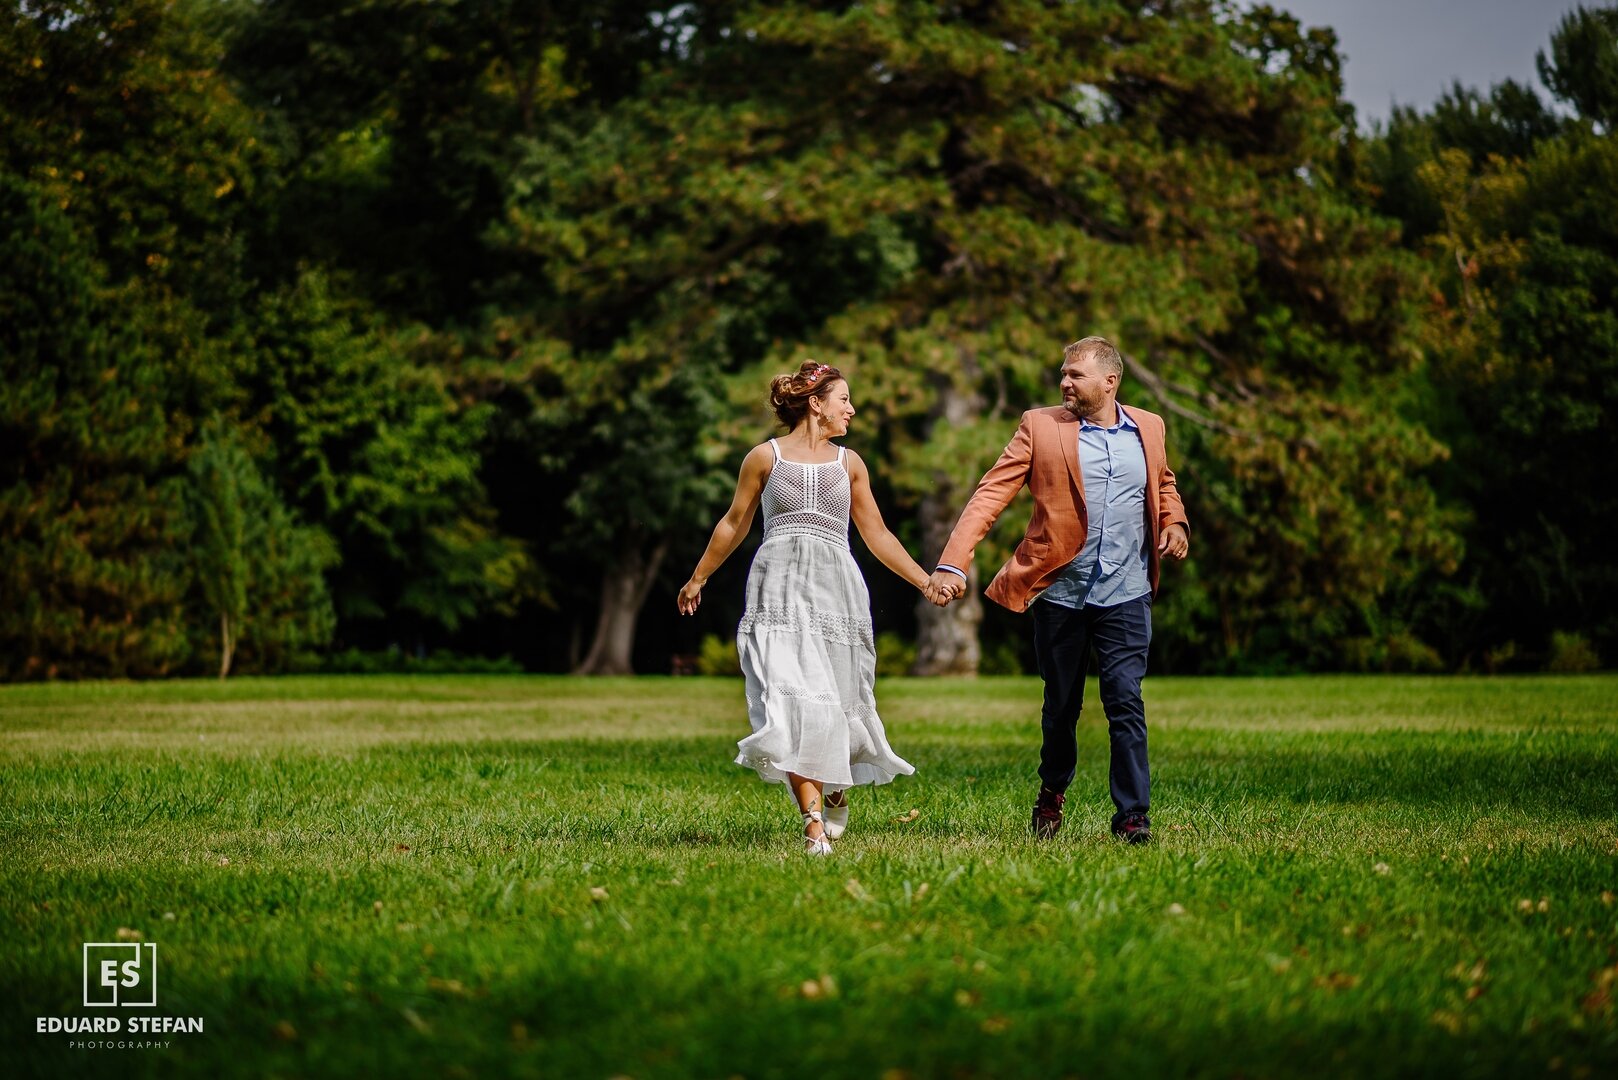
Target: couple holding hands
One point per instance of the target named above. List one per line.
(1106, 511)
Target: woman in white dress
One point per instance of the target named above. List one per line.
(805, 639)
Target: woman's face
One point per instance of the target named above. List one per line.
(836, 409)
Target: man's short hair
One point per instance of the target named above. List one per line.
(1104, 352)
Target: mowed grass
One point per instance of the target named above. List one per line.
(568, 878)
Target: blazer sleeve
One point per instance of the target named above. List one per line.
(1170, 509)
(993, 494)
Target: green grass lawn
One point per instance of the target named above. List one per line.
(554, 877)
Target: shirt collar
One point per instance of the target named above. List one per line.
(1123, 421)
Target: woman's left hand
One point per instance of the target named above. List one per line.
(690, 596)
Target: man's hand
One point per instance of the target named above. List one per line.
(945, 587)
(1174, 543)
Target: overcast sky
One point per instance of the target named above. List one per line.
(1410, 51)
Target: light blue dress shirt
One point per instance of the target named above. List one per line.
(1111, 568)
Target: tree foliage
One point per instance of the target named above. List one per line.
(419, 324)
(1019, 175)
(1514, 209)
(258, 571)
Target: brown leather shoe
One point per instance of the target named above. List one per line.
(1047, 813)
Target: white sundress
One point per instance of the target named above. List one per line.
(805, 641)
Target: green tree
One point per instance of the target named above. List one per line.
(1582, 68)
(256, 568)
(1024, 174)
(117, 110)
(89, 506)
(1516, 220)
(372, 448)
(401, 122)
(124, 159)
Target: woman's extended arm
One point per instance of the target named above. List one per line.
(732, 528)
(868, 519)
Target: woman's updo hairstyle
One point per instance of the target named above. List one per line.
(790, 394)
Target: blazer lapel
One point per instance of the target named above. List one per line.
(1067, 431)
(1154, 462)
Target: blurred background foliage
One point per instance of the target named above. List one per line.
(409, 335)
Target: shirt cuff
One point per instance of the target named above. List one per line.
(951, 569)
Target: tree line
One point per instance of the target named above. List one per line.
(339, 333)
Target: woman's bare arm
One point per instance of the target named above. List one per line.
(733, 527)
(868, 519)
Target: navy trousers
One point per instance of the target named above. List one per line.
(1119, 636)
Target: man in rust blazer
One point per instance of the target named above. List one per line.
(1106, 510)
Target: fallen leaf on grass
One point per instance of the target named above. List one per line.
(1382, 868)
(853, 888)
(816, 989)
(995, 1025)
(1176, 909)
(915, 812)
(284, 1031)
(1607, 897)
(126, 934)
(1336, 980)
(1449, 1021)
(414, 1020)
(448, 986)
(967, 998)
(401, 847)
(597, 894)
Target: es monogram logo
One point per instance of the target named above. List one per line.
(120, 974)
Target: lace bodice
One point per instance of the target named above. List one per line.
(807, 500)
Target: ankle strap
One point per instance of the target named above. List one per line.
(812, 815)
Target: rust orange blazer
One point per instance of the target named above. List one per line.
(1044, 454)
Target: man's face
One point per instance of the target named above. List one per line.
(1084, 386)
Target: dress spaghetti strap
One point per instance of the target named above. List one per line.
(777, 448)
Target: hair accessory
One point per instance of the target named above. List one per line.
(820, 369)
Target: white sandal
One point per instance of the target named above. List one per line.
(815, 845)
(836, 822)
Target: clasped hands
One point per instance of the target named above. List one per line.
(943, 588)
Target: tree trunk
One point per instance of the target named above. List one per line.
(227, 644)
(947, 638)
(623, 592)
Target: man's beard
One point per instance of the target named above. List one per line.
(1080, 406)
